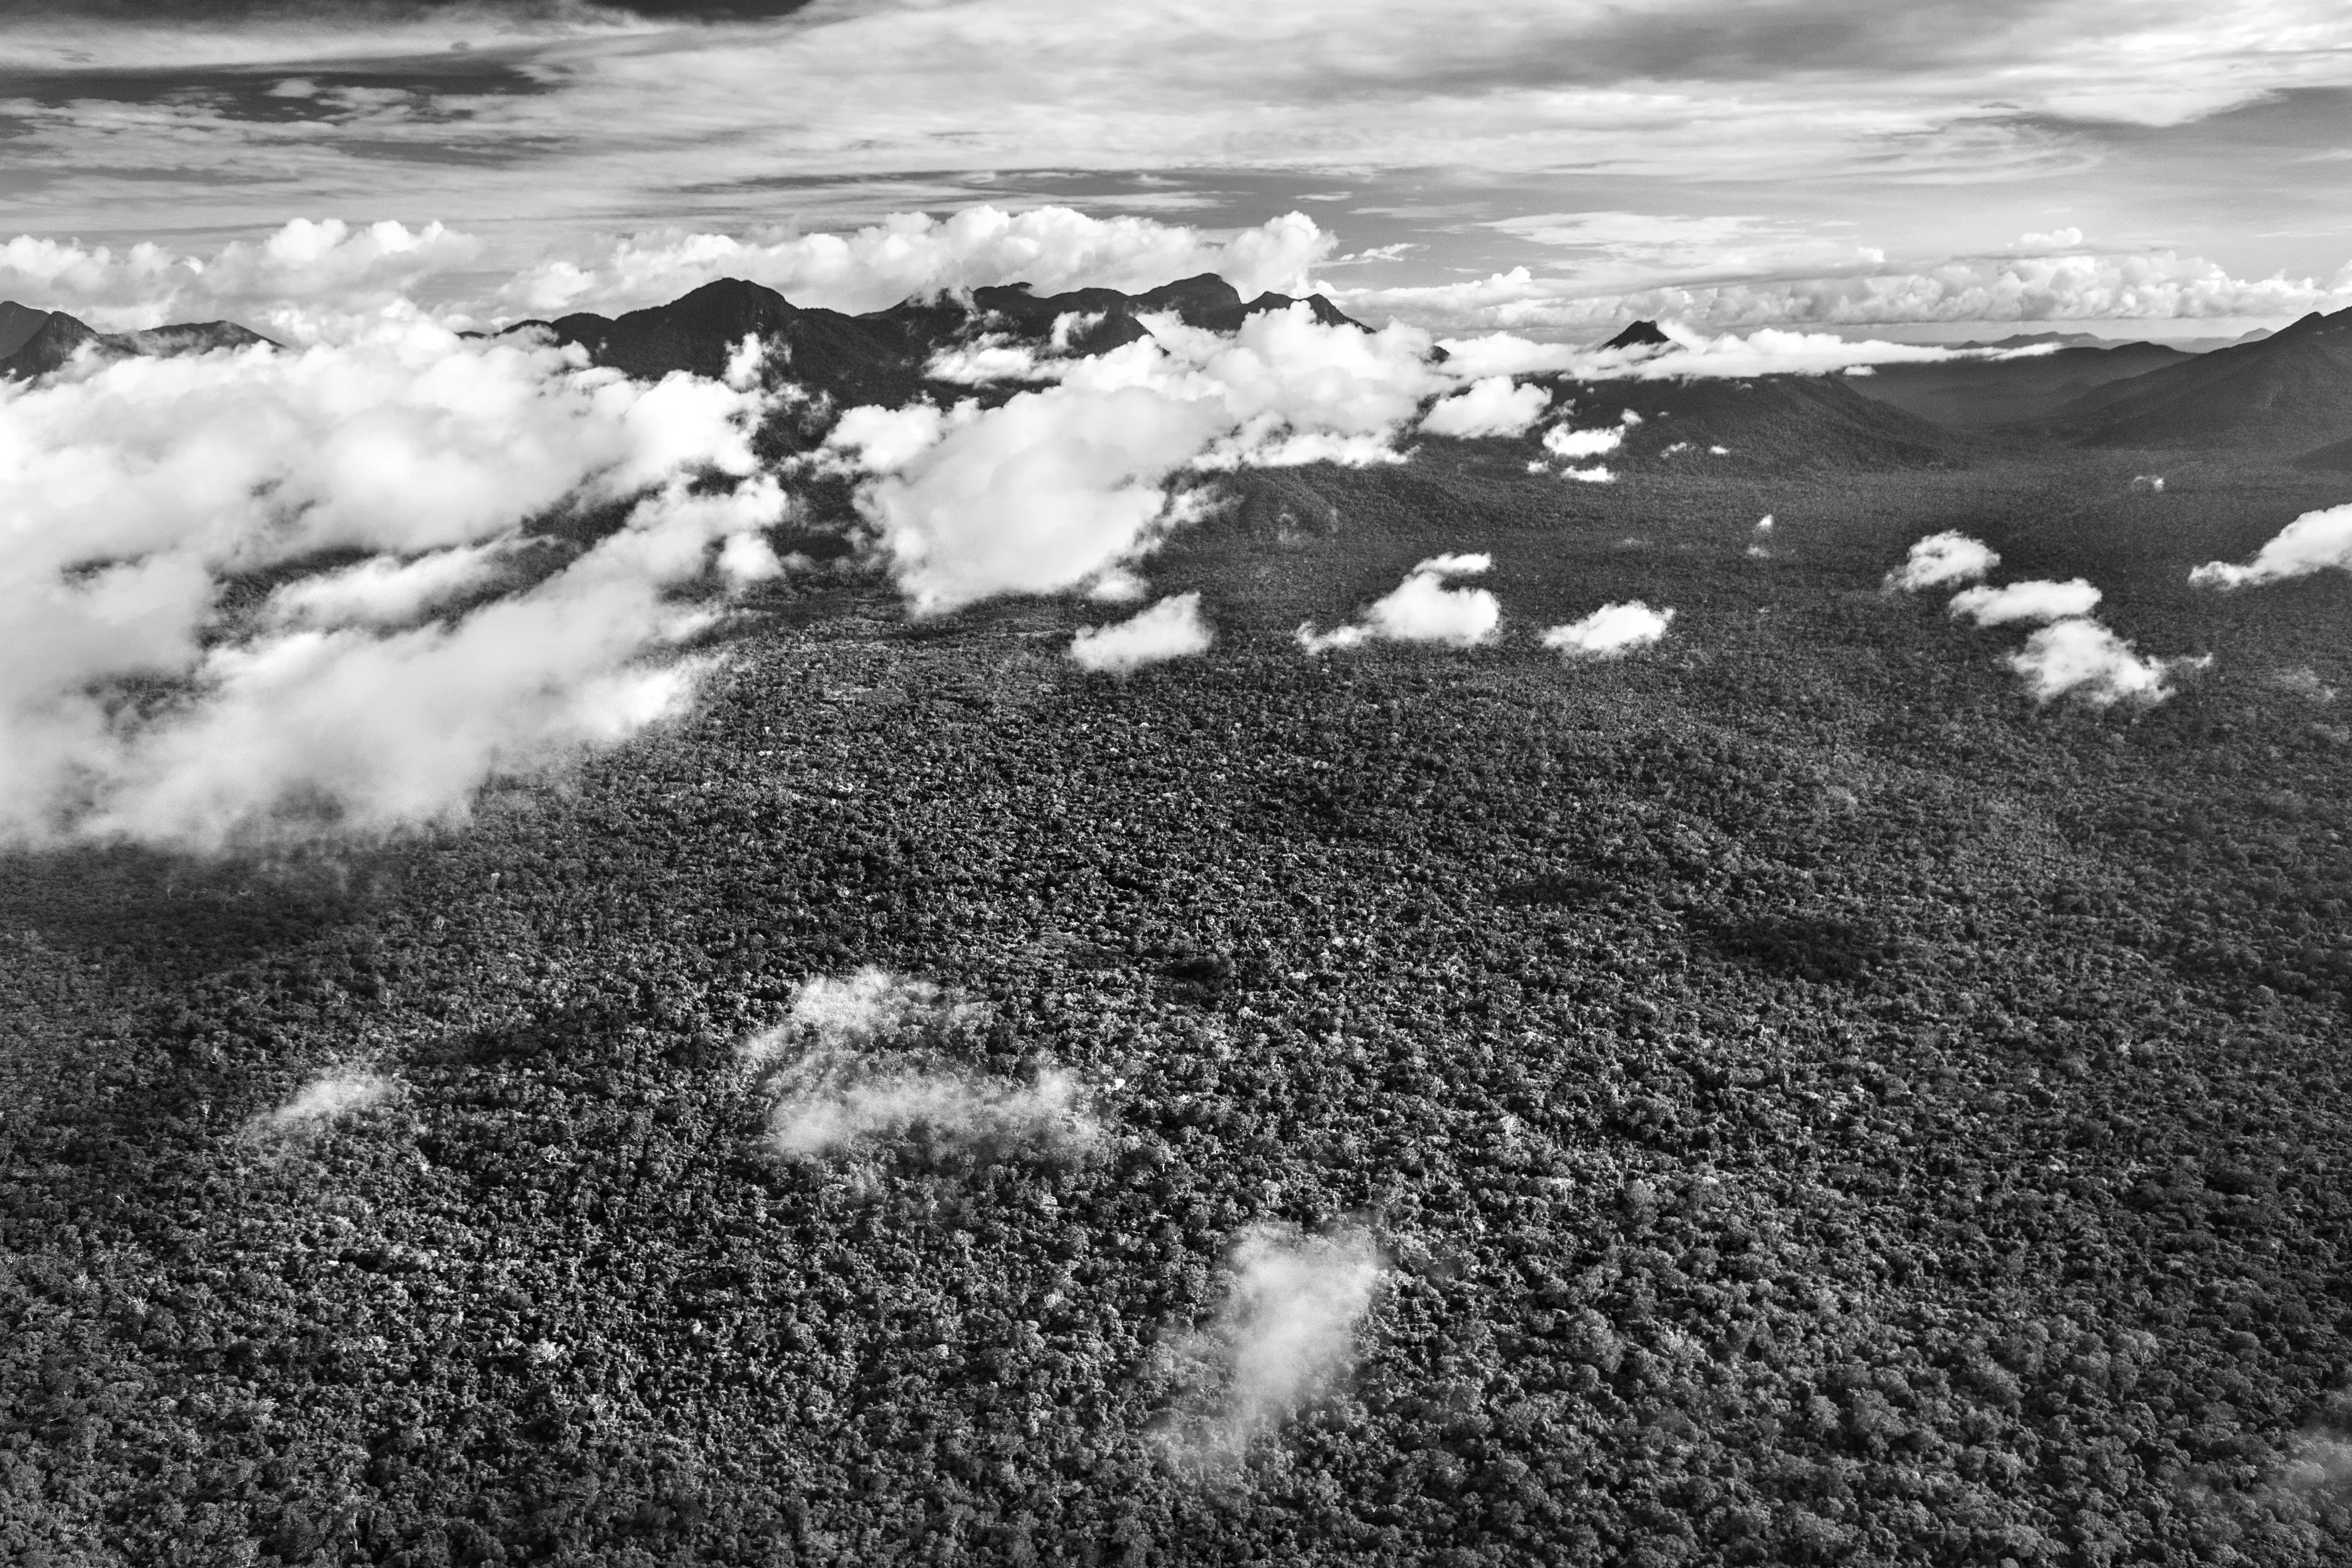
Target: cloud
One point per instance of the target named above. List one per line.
(858, 1061)
(133, 494)
(2082, 660)
(1491, 406)
(320, 1103)
(279, 283)
(2035, 600)
(2131, 286)
(1611, 631)
(1597, 474)
(2313, 543)
(1283, 1337)
(1173, 628)
(910, 255)
(1566, 442)
(1941, 560)
(1065, 487)
(1422, 609)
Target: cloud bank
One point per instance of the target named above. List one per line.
(2315, 542)
(133, 495)
(1421, 610)
(1173, 628)
(1283, 1337)
(1941, 560)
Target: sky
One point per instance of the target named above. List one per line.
(1549, 167)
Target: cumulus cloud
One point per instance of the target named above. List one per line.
(2313, 543)
(1053, 248)
(2087, 662)
(2034, 600)
(1173, 628)
(320, 1103)
(1066, 486)
(860, 1060)
(1491, 405)
(1422, 609)
(1941, 560)
(1596, 474)
(1283, 1337)
(1567, 442)
(1609, 631)
(287, 284)
(133, 494)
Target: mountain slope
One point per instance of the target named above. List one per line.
(1777, 423)
(2290, 392)
(30, 347)
(1978, 395)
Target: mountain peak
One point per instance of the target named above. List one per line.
(1640, 335)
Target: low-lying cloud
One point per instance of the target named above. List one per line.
(1424, 609)
(865, 1061)
(1173, 628)
(1283, 1337)
(320, 1103)
(134, 494)
(2315, 541)
(2086, 662)
(1491, 405)
(2037, 599)
(1611, 631)
(1940, 560)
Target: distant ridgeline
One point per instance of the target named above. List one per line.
(35, 342)
(2288, 393)
(881, 357)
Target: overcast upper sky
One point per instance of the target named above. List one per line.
(1549, 165)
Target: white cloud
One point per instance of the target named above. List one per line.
(2313, 543)
(856, 1061)
(1491, 406)
(1941, 560)
(1571, 444)
(320, 1103)
(1173, 628)
(1422, 609)
(2082, 660)
(2035, 600)
(2156, 284)
(1283, 1337)
(1053, 248)
(130, 493)
(1609, 631)
(1065, 487)
(1597, 474)
(277, 284)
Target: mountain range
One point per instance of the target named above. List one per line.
(35, 342)
(2288, 393)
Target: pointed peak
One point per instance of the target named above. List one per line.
(1640, 335)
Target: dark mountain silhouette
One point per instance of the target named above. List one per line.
(879, 357)
(1641, 334)
(17, 322)
(2336, 458)
(1977, 394)
(35, 342)
(2291, 390)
